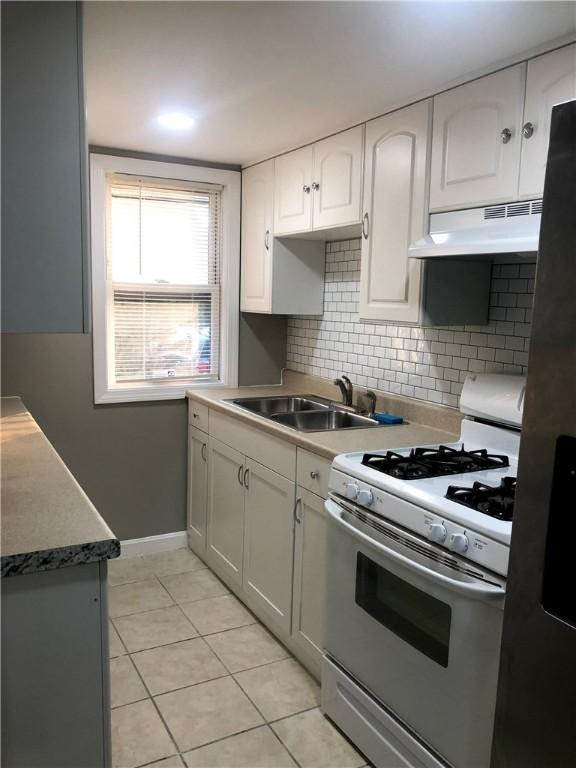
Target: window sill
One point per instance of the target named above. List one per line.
(151, 393)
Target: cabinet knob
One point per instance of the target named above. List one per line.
(527, 130)
(306, 188)
(314, 475)
(315, 186)
(267, 240)
(505, 135)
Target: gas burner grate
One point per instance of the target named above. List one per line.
(496, 501)
(433, 462)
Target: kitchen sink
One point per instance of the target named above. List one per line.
(327, 420)
(270, 406)
(306, 413)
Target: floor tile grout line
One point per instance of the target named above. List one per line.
(163, 645)
(223, 738)
(155, 705)
(284, 745)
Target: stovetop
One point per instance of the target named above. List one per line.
(490, 455)
(434, 462)
(494, 500)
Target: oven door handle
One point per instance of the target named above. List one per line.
(478, 591)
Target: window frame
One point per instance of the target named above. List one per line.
(105, 390)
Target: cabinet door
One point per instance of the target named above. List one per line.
(197, 488)
(269, 542)
(257, 224)
(476, 141)
(551, 80)
(293, 192)
(337, 179)
(226, 510)
(395, 205)
(310, 573)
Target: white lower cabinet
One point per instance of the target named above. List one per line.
(226, 510)
(197, 488)
(269, 542)
(262, 533)
(309, 574)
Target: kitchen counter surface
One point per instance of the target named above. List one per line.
(327, 444)
(48, 522)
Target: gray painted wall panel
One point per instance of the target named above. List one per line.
(42, 264)
(55, 697)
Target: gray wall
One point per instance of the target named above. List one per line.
(130, 459)
(262, 353)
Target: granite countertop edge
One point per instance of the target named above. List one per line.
(61, 557)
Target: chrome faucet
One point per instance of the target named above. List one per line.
(346, 388)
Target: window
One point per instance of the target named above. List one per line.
(165, 278)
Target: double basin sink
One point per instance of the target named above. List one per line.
(306, 413)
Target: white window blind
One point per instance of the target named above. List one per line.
(163, 274)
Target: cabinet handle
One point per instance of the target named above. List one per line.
(297, 517)
(528, 130)
(240, 470)
(314, 475)
(505, 135)
(306, 188)
(267, 240)
(365, 226)
(315, 186)
(246, 477)
(204, 451)
(194, 415)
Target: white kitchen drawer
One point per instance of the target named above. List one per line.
(198, 415)
(270, 451)
(312, 472)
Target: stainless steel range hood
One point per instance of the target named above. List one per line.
(498, 229)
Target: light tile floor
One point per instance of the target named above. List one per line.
(197, 681)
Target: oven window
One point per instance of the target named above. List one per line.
(419, 619)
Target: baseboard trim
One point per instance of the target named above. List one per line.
(150, 544)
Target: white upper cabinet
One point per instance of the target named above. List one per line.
(293, 192)
(551, 80)
(277, 276)
(395, 205)
(476, 141)
(257, 226)
(320, 186)
(337, 179)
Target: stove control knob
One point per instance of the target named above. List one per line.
(352, 491)
(459, 543)
(437, 533)
(365, 497)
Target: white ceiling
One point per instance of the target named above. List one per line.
(263, 77)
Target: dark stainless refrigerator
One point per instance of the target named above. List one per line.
(536, 708)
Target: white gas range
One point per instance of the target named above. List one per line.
(417, 561)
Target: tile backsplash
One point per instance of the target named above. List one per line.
(427, 363)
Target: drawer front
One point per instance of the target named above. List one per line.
(198, 415)
(270, 451)
(312, 472)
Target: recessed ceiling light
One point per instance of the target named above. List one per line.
(176, 121)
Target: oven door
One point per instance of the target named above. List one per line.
(418, 627)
